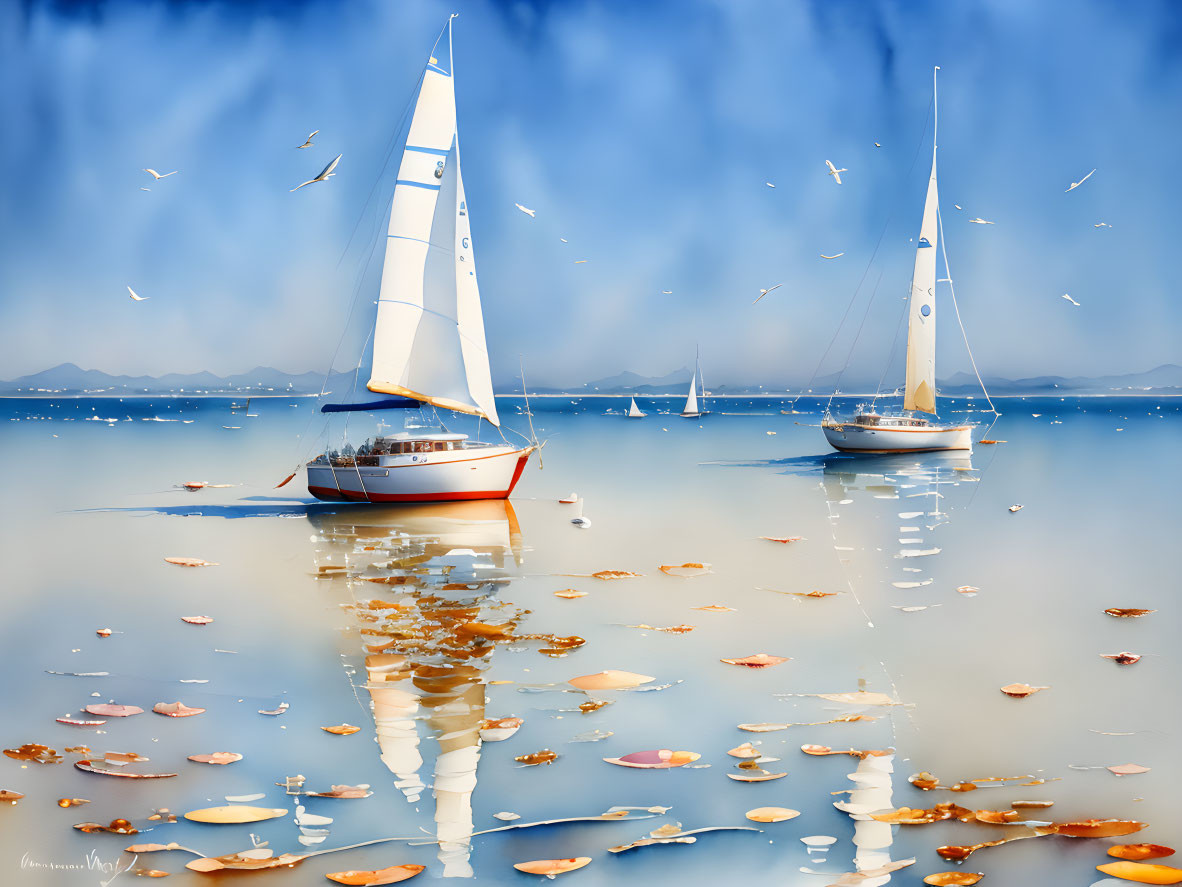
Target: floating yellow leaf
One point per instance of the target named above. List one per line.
(1098, 828)
(341, 729)
(552, 867)
(71, 802)
(570, 594)
(953, 879)
(716, 608)
(1128, 611)
(610, 680)
(1142, 872)
(545, 756)
(35, 753)
(615, 574)
(189, 562)
(234, 815)
(759, 660)
(771, 814)
(1021, 691)
(217, 757)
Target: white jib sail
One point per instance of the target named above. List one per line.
(691, 402)
(429, 335)
(634, 411)
(920, 393)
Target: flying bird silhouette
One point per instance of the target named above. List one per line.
(980, 221)
(136, 296)
(308, 142)
(1071, 300)
(158, 176)
(837, 256)
(763, 293)
(834, 171)
(525, 209)
(1075, 185)
(324, 174)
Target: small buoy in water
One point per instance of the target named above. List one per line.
(1016, 507)
(582, 523)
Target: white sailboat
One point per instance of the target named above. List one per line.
(634, 412)
(905, 432)
(428, 337)
(691, 409)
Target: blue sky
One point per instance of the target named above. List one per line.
(641, 132)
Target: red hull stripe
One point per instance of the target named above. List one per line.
(887, 452)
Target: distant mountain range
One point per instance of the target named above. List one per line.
(68, 379)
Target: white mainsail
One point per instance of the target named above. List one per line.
(920, 393)
(691, 402)
(429, 339)
(634, 412)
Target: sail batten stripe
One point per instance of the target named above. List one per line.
(415, 184)
(442, 152)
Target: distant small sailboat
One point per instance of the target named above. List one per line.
(691, 409)
(634, 412)
(904, 432)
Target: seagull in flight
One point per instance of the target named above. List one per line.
(308, 142)
(958, 206)
(525, 209)
(763, 293)
(158, 176)
(834, 171)
(877, 145)
(1075, 185)
(769, 184)
(837, 256)
(324, 173)
(1101, 225)
(1071, 300)
(136, 296)
(980, 221)
(666, 292)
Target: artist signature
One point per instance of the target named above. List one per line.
(90, 863)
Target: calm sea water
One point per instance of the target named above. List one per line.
(92, 509)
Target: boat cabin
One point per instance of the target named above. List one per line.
(874, 420)
(399, 448)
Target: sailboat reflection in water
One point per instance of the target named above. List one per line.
(424, 583)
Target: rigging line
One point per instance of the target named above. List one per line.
(956, 308)
(890, 354)
(910, 170)
(858, 334)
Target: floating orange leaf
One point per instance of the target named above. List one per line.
(821, 750)
(759, 660)
(247, 860)
(341, 729)
(498, 729)
(117, 827)
(9, 796)
(103, 632)
(615, 574)
(953, 879)
(189, 562)
(1128, 611)
(1021, 691)
(784, 540)
(552, 867)
(89, 766)
(391, 875)
(771, 814)
(545, 756)
(672, 629)
(1036, 805)
(1142, 872)
(1127, 769)
(1140, 851)
(1123, 658)
(35, 753)
(687, 570)
(593, 705)
(570, 594)
(997, 817)
(197, 620)
(716, 608)
(746, 750)
(71, 802)
(234, 815)
(1098, 828)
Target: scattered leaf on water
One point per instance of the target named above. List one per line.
(217, 757)
(759, 660)
(545, 756)
(391, 875)
(101, 769)
(1098, 828)
(858, 697)
(1128, 611)
(1123, 658)
(1127, 769)
(176, 710)
(189, 562)
(758, 775)
(197, 620)
(498, 729)
(615, 574)
(283, 706)
(1142, 872)
(771, 814)
(672, 629)
(716, 608)
(35, 753)
(953, 879)
(338, 791)
(71, 802)
(247, 860)
(117, 827)
(746, 750)
(853, 879)
(784, 540)
(610, 680)
(552, 867)
(593, 705)
(861, 754)
(234, 815)
(110, 710)
(1021, 691)
(80, 722)
(103, 632)
(1140, 851)
(341, 729)
(570, 594)
(655, 759)
(1033, 805)
(9, 796)
(687, 570)
(151, 873)
(967, 589)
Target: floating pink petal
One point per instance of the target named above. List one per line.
(176, 709)
(110, 710)
(657, 759)
(197, 620)
(217, 757)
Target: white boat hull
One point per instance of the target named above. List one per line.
(850, 438)
(453, 475)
